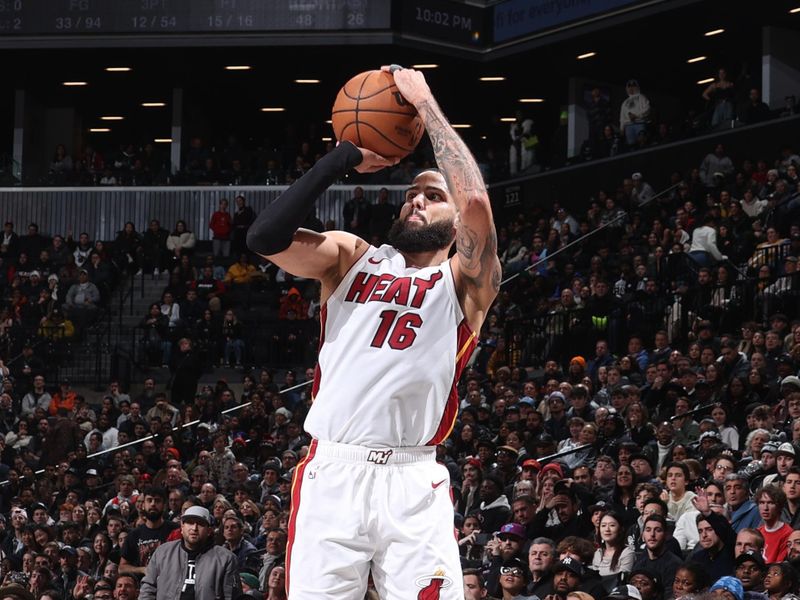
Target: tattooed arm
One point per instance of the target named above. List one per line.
(477, 265)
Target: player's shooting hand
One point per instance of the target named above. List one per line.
(372, 162)
(411, 84)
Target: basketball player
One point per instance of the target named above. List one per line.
(398, 324)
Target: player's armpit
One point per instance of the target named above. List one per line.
(323, 256)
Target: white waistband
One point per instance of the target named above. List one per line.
(377, 456)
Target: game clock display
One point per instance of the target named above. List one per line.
(103, 17)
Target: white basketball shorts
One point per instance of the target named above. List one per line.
(356, 509)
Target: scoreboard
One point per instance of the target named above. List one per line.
(109, 17)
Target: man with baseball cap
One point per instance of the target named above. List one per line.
(751, 570)
(567, 576)
(192, 568)
(784, 460)
(625, 592)
(506, 546)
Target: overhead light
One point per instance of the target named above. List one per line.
(163, 140)
(483, 137)
(508, 119)
(460, 125)
(492, 79)
(696, 59)
(74, 83)
(794, 11)
(329, 122)
(118, 69)
(99, 130)
(327, 139)
(586, 55)
(704, 81)
(531, 100)
(153, 104)
(238, 68)
(273, 109)
(425, 66)
(306, 80)
(111, 118)
(713, 32)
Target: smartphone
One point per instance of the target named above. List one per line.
(482, 539)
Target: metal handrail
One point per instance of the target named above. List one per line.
(174, 429)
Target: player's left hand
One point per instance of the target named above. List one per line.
(411, 84)
(372, 161)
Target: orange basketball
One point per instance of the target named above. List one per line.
(371, 113)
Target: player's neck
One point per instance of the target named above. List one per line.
(421, 260)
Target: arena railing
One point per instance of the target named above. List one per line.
(565, 332)
(177, 428)
(102, 212)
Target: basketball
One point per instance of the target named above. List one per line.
(371, 113)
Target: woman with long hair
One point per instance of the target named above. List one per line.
(79, 517)
(715, 379)
(156, 338)
(276, 583)
(181, 241)
(251, 514)
(693, 354)
(613, 556)
(623, 498)
(128, 249)
(468, 547)
(185, 270)
(757, 382)
(472, 477)
(729, 433)
(464, 445)
(102, 547)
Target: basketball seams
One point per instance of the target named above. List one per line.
(358, 102)
(388, 139)
(384, 124)
(373, 110)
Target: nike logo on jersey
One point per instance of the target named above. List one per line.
(436, 485)
(376, 262)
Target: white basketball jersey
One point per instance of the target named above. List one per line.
(394, 342)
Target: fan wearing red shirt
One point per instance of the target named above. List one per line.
(770, 500)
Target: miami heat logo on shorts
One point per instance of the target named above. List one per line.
(431, 584)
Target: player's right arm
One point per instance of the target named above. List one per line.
(276, 233)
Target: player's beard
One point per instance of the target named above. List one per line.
(423, 238)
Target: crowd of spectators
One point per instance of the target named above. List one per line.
(636, 123)
(679, 436)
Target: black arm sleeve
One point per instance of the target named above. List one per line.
(274, 228)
